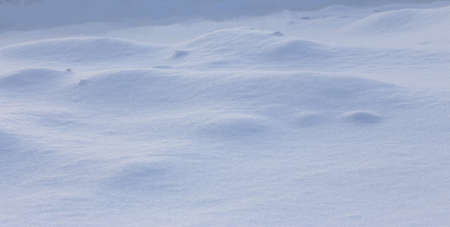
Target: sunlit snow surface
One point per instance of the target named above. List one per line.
(333, 117)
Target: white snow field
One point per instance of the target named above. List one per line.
(225, 113)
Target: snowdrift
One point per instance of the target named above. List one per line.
(77, 50)
(253, 45)
(228, 48)
(295, 119)
(404, 20)
(150, 88)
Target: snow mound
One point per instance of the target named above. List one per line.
(403, 20)
(249, 44)
(166, 89)
(33, 80)
(362, 117)
(299, 50)
(76, 50)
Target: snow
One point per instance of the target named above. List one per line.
(41, 13)
(270, 116)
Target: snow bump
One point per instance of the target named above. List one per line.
(362, 117)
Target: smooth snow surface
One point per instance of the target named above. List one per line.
(337, 116)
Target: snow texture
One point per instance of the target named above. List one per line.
(224, 113)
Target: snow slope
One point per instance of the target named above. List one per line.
(314, 118)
